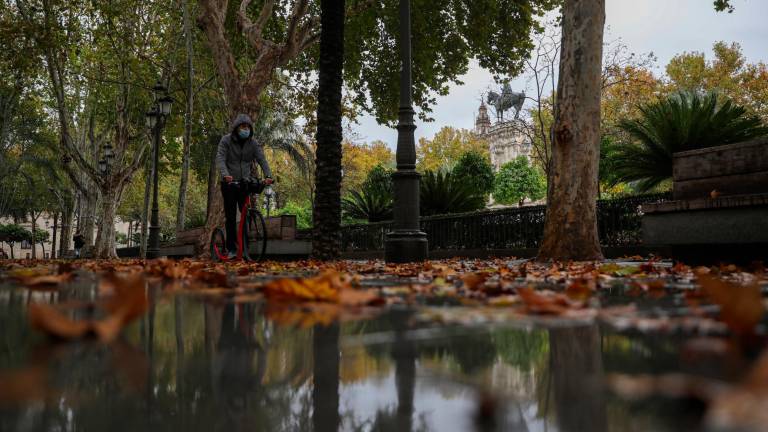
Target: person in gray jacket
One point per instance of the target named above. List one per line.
(237, 150)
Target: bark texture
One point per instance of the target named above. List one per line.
(182, 205)
(326, 214)
(570, 230)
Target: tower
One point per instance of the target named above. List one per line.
(482, 122)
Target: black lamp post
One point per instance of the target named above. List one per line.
(156, 121)
(406, 243)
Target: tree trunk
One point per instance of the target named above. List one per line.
(214, 211)
(88, 219)
(53, 240)
(326, 214)
(570, 230)
(105, 239)
(577, 370)
(325, 377)
(130, 232)
(34, 241)
(181, 210)
(66, 230)
(145, 210)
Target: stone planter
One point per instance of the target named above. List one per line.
(281, 227)
(719, 209)
(732, 169)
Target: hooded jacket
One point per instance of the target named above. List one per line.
(234, 155)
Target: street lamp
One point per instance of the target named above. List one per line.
(406, 243)
(155, 120)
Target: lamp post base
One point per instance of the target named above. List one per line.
(406, 246)
(153, 247)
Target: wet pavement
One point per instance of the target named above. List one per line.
(207, 363)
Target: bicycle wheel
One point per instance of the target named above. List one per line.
(256, 235)
(218, 245)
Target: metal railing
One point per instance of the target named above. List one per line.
(618, 220)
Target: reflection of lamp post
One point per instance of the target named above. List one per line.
(269, 194)
(156, 121)
(406, 243)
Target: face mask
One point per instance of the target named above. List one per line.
(243, 133)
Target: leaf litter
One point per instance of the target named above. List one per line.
(706, 303)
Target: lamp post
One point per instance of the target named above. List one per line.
(156, 121)
(406, 243)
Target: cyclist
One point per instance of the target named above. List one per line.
(237, 150)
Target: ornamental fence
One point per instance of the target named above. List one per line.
(618, 223)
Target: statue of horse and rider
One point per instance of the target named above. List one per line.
(506, 100)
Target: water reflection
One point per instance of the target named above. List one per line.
(577, 375)
(193, 364)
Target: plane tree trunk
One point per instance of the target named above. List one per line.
(570, 230)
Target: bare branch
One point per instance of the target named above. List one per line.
(254, 31)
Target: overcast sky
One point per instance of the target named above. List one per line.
(664, 27)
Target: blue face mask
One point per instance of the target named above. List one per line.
(243, 133)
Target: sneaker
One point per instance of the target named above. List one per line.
(231, 256)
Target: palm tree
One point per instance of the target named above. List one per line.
(370, 203)
(277, 131)
(444, 192)
(682, 121)
(326, 212)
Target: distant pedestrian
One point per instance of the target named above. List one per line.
(79, 243)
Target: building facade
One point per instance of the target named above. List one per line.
(505, 141)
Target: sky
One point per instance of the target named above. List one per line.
(664, 27)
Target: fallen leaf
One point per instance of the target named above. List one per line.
(581, 288)
(474, 281)
(547, 303)
(50, 320)
(46, 281)
(127, 301)
(741, 306)
(324, 287)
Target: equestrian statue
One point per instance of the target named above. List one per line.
(506, 100)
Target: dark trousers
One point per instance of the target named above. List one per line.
(234, 199)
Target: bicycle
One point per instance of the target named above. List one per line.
(251, 219)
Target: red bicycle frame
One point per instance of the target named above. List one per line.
(240, 228)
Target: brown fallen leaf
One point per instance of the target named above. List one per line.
(45, 281)
(741, 306)
(581, 288)
(474, 281)
(324, 287)
(305, 315)
(49, 319)
(547, 303)
(127, 301)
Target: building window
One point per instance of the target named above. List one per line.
(47, 255)
(25, 244)
(27, 255)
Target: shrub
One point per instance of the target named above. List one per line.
(472, 167)
(517, 181)
(303, 213)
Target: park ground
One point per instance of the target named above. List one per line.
(485, 344)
